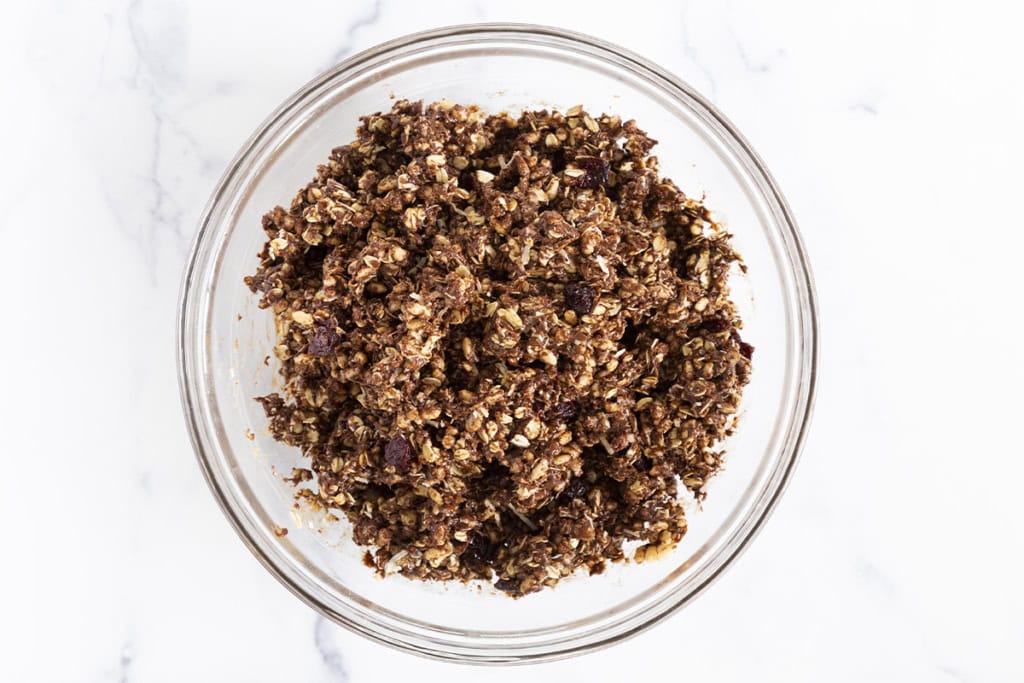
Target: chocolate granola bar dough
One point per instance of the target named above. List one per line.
(505, 342)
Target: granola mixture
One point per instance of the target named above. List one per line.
(506, 343)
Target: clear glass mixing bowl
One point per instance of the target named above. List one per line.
(224, 339)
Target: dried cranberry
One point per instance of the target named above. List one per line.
(714, 325)
(323, 341)
(398, 453)
(480, 549)
(746, 350)
(580, 298)
(595, 172)
(642, 464)
(566, 410)
(507, 585)
(576, 488)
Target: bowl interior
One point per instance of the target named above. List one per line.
(234, 362)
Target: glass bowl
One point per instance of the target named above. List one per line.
(224, 341)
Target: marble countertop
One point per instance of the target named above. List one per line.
(893, 128)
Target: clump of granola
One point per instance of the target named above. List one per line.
(505, 342)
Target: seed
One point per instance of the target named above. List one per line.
(511, 317)
(539, 470)
(427, 452)
(434, 555)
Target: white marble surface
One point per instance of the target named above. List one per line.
(894, 129)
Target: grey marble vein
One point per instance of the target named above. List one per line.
(329, 653)
(865, 107)
(690, 51)
(345, 49)
(760, 66)
(953, 674)
(156, 71)
(124, 664)
(873, 576)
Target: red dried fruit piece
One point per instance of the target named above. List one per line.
(323, 341)
(580, 298)
(398, 454)
(595, 172)
(714, 325)
(642, 464)
(566, 410)
(507, 585)
(746, 350)
(576, 488)
(480, 549)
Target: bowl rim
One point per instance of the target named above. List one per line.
(806, 339)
